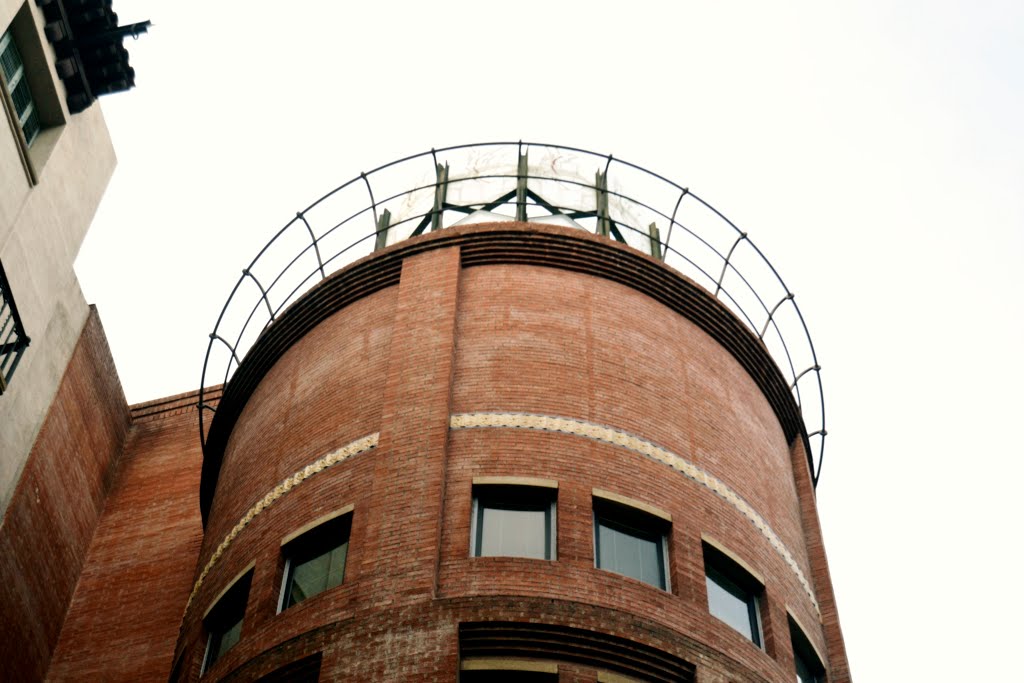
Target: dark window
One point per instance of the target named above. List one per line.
(513, 521)
(809, 668)
(224, 622)
(12, 71)
(315, 561)
(177, 673)
(733, 594)
(506, 676)
(547, 644)
(305, 670)
(630, 542)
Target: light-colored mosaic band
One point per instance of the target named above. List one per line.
(333, 458)
(616, 437)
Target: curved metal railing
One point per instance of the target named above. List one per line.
(528, 182)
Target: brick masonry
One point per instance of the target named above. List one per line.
(57, 504)
(510, 338)
(399, 365)
(123, 621)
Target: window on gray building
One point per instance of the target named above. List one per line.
(15, 82)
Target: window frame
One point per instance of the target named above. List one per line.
(529, 494)
(727, 572)
(303, 670)
(507, 668)
(303, 541)
(217, 620)
(9, 45)
(637, 519)
(805, 653)
(41, 80)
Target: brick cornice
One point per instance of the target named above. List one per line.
(173, 405)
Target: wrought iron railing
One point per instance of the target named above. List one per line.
(527, 182)
(13, 340)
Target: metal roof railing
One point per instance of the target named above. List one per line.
(522, 181)
(13, 340)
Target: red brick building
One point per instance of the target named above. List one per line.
(532, 445)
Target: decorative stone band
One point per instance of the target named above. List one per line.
(616, 437)
(333, 458)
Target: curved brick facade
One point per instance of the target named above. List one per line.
(449, 360)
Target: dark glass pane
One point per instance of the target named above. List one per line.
(318, 573)
(305, 670)
(10, 59)
(31, 127)
(808, 666)
(22, 97)
(630, 552)
(733, 605)
(224, 622)
(222, 642)
(803, 672)
(512, 532)
(317, 560)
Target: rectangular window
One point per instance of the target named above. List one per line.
(631, 542)
(809, 668)
(315, 561)
(224, 620)
(305, 670)
(513, 521)
(531, 650)
(12, 70)
(506, 676)
(733, 594)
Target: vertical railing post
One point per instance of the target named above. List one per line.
(440, 196)
(383, 224)
(522, 174)
(655, 236)
(604, 221)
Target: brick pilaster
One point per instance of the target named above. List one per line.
(837, 665)
(409, 477)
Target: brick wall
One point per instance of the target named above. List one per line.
(521, 339)
(123, 621)
(56, 505)
(326, 391)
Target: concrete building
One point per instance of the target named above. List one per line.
(54, 167)
(55, 161)
(518, 412)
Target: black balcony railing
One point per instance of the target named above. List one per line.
(526, 182)
(13, 340)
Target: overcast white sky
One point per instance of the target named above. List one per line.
(874, 150)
